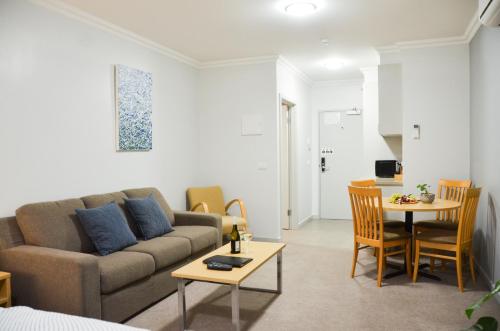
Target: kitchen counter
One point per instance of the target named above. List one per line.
(389, 182)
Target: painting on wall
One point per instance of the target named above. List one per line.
(134, 108)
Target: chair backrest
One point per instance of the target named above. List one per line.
(450, 189)
(364, 183)
(468, 215)
(366, 205)
(212, 196)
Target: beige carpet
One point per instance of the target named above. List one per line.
(318, 293)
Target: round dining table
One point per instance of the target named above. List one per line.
(409, 209)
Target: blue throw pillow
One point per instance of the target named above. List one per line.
(149, 216)
(107, 228)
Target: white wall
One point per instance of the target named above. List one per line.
(57, 134)
(231, 160)
(330, 95)
(485, 158)
(57, 128)
(435, 96)
(296, 89)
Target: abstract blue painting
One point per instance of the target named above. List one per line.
(134, 108)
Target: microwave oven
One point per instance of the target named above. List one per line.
(387, 168)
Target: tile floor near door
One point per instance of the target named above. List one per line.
(318, 293)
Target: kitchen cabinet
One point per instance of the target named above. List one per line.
(390, 120)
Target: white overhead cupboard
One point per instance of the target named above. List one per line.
(390, 121)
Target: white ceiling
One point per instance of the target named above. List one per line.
(213, 30)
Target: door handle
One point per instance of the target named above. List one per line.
(323, 164)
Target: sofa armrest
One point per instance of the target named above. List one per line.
(54, 280)
(193, 218)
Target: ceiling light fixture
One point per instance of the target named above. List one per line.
(301, 8)
(334, 64)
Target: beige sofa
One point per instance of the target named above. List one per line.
(55, 267)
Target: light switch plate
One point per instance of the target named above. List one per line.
(416, 131)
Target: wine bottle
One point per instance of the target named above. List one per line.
(235, 239)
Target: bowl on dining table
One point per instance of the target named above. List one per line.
(427, 197)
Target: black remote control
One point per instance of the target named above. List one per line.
(219, 266)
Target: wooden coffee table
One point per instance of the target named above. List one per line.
(260, 252)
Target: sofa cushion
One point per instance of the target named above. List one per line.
(200, 236)
(145, 192)
(107, 228)
(165, 251)
(54, 225)
(98, 200)
(150, 218)
(10, 234)
(122, 268)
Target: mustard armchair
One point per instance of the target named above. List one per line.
(211, 200)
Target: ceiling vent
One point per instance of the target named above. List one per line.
(489, 12)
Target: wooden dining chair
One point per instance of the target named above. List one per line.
(373, 183)
(367, 216)
(447, 220)
(448, 189)
(457, 242)
(364, 183)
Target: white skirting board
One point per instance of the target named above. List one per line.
(307, 219)
(490, 283)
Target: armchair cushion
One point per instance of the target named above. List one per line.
(107, 228)
(122, 268)
(227, 223)
(200, 237)
(149, 216)
(212, 196)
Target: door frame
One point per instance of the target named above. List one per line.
(292, 219)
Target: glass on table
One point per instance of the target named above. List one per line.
(246, 237)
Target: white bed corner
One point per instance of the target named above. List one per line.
(22, 318)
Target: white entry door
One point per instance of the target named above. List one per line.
(341, 157)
